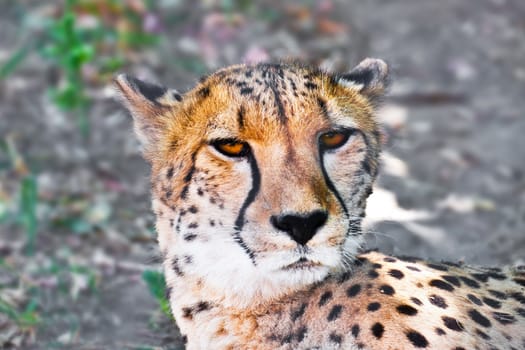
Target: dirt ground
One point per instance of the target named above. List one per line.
(452, 184)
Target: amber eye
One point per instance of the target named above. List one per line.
(231, 148)
(334, 139)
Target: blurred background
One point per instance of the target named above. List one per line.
(79, 266)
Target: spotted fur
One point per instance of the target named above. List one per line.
(260, 245)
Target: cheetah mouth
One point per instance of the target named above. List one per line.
(302, 264)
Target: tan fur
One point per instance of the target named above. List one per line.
(238, 278)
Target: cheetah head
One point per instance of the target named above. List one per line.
(260, 174)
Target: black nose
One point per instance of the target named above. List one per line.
(300, 227)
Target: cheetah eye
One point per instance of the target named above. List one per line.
(334, 139)
(231, 147)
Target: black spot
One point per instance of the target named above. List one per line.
(189, 237)
(184, 339)
(459, 348)
(498, 294)
(176, 96)
(501, 277)
(452, 323)
(413, 268)
(492, 302)
(438, 301)
(416, 301)
(470, 282)
(377, 330)
(336, 338)
(335, 312)
(406, 310)
(148, 90)
(520, 311)
(417, 339)
(474, 299)
(482, 277)
(325, 297)
(202, 306)
(386, 289)
(193, 225)
(373, 306)
(361, 261)
(503, 317)
(389, 259)
(518, 297)
(376, 266)
(301, 332)
(190, 172)
(479, 318)
(322, 105)
(193, 209)
(212, 223)
(396, 274)
(520, 281)
(168, 194)
(482, 334)
(451, 263)
(452, 279)
(310, 86)
(440, 331)
(298, 312)
(246, 91)
(189, 312)
(188, 259)
(438, 267)
(287, 339)
(344, 276)
(176, 266)
(169, 173)
(353, 290)
(240, 117)
(355, 330)
(204, 92)
(366, 165)
(373, 274)
(441, 285)
(408, 258)
(167, 293)
(171, 222)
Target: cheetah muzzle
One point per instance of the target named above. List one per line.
(260, 176)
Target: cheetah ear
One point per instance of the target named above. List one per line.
(148, 103)
(370, 77)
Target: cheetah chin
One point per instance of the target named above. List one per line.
(260, 176)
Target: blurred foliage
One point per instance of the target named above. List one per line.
(87, 32)
(27, 212)
(25, 318)
(25, 215)
(157, 287)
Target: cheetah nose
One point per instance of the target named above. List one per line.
(300, 227)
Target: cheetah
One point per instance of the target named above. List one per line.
(260, 176)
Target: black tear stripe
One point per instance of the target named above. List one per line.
(239, 222)
(331, 186)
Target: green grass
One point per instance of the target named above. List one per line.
(157, 287)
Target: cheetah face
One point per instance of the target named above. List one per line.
(260, 174)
